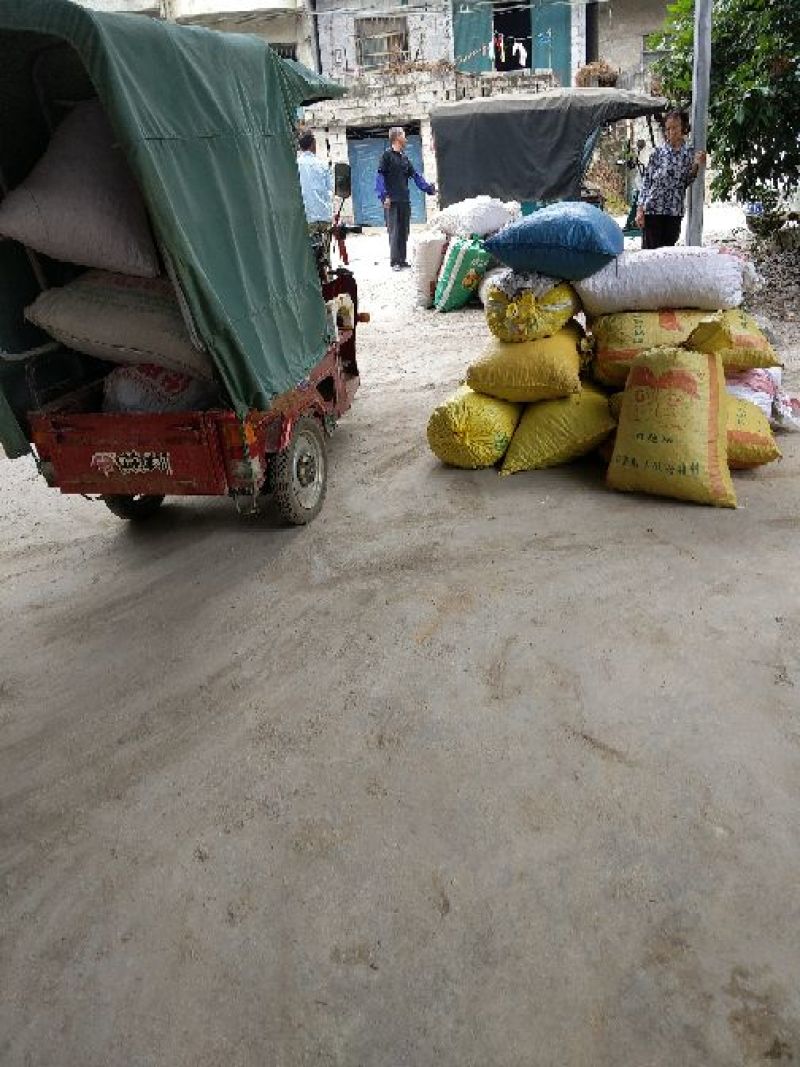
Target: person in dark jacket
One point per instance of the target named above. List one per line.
(670, 171)
(391, 185)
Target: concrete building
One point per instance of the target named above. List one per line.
(399, 61)
(354, 128)
(545, 37)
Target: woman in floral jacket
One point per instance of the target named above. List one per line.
(671, 169)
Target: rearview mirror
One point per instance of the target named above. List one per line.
(341, 180)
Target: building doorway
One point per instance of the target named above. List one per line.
(513, 42)
(365, 146)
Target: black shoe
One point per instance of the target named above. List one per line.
(396, 266)
(405, 266)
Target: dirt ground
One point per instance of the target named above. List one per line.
(471, 771)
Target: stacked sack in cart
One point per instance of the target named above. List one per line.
(664, 328)
(80, 205)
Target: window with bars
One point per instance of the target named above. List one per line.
(285, 51)
(381, 42)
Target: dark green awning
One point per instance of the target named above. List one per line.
(525, 146)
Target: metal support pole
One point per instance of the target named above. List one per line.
(700, 91)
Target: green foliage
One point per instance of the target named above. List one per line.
(754, 108)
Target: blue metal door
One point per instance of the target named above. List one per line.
(364, 157)
(473, 35)
(552, 34)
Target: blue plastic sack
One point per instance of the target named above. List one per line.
(565, 240)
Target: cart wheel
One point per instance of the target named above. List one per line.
(135, 507)
(301, 474)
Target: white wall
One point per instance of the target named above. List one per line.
(578, 38)
(622, 25)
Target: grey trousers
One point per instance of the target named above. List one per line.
(398, 223)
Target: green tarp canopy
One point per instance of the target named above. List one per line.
(206, 122)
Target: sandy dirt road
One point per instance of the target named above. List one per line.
(472, 771)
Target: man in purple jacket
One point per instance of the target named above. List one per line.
(391, 185)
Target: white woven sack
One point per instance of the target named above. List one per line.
(80, 203)
(429, 250)
(685, 277)
(760, 386)
(763, 386)
(121, 319)
(514, 283)
(480, 215)
(490, 278)
(148, 388)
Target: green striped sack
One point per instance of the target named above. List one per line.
(461, 272)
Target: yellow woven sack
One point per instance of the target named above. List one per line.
(672, 433)
(527, 317)
(531, 370)
(736, 337)
(470, 430)
(750, 439)
(556, 431)
(619, 339)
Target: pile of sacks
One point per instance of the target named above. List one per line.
(450, 256)
(80, 205)
(646, 385)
